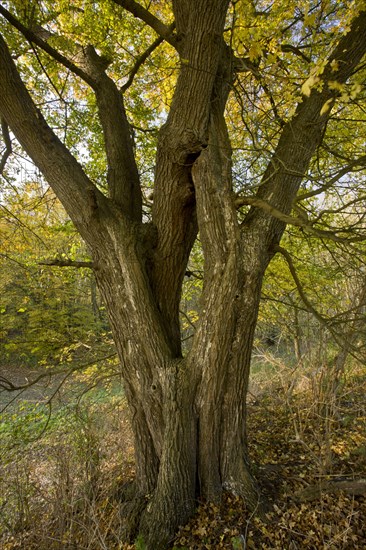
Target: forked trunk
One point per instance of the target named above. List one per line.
(203, 450)
(188, 414)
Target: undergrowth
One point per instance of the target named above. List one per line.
(60, 473)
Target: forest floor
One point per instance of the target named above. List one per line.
(61, 474)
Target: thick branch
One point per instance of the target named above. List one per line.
(181, 141)
(354, 487)
(123, 177)
(301, 136)
(78, 194)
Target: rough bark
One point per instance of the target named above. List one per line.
(181, 141)
(188, 414)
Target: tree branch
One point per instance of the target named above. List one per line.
(352, 487)
(181, 141)
(299, 286)
(296, 50)
(303, 134)
(7, 385)
(341, 340)
(141, 59)
(269, 209)
(307, 225)
(123, 178)
(36, 39)
(361, 161)
(7, 141)
(164, 31)
(79, 195)
(67, 263)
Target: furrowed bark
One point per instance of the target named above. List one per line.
(118, 262)
(234, 458)
(174, 498)
(260, 231)
(181, 140)
(141, 341)
(297, 144)
(219, 234)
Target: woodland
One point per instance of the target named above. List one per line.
(182, 274)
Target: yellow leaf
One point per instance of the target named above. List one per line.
(334, 65)
(309, 20)
(334, 85)
(308, 84)
(200, 531)
(326, 107)
(356, 89)
(255, 51)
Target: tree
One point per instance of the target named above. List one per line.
(188, 412)
(43, 312)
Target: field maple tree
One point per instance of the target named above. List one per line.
(82, 83)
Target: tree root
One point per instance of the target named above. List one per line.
(354, 487)
(131, 507)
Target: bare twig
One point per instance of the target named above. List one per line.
(341, 340)
(8, 386)
(306, 225)
(296, 50)
(299, 286)
(142, 58)
(67, 263)
(7, 141)
(361, 161)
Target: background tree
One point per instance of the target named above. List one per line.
(275, 74)
(43, 311)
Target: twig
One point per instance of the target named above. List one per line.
(8, 386)
(8, 148)
(296, 221)
(67, 263)
(142, 58)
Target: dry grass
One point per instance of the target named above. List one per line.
(61, 492)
